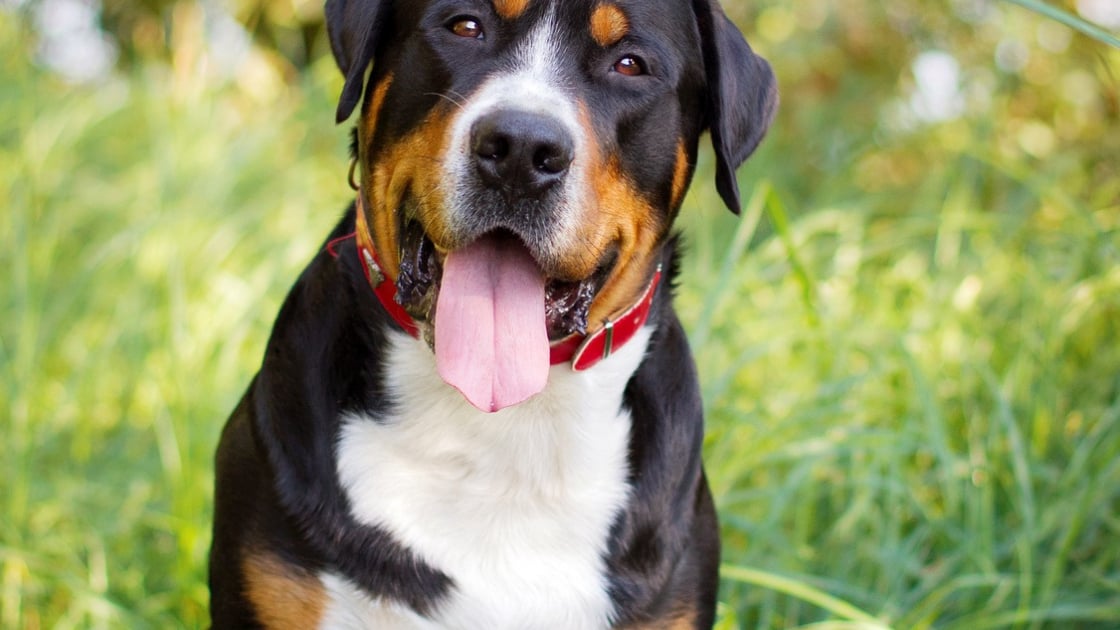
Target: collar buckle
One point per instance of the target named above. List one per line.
(615, 332)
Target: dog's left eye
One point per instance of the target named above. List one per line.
(467, 27)
(630, 65)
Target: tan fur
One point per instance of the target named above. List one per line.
(680, 175)
(618, 216)
(623, 218)
(410, 166)
(283, 597)
(373, 109)
(608, 25)
(510, 9)
(679, 621)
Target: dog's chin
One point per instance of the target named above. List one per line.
(567, 303)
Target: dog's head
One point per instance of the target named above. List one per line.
(544, 143)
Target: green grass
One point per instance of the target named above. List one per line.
(910, 350)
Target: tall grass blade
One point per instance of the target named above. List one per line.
(1070, 20)
(803, 592)
(778, 214)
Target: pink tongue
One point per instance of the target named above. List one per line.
(491, 342)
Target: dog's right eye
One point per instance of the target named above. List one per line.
(466, 26)
(630, 66)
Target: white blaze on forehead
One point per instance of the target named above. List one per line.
(530, 82)
(539, 52)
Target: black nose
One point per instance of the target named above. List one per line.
(520, 153)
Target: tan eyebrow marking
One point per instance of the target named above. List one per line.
(608, 24)
(510, 9)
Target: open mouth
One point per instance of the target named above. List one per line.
(566, 303)
(484, 303)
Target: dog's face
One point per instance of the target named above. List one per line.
(564, 129)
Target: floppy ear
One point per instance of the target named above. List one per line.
(742, 95)
(353, 27)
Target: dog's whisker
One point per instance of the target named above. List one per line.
(447, 98)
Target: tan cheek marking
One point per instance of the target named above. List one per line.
(282, 596)
(680, 175)
(412, 167)
(373, 110)
(510, 9)
(615, 214)
(374, 180)
(608, 25)
(624, 219)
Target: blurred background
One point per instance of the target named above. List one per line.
(909, 341)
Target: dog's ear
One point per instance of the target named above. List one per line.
(353, 27)
(742, 95)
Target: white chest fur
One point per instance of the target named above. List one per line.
(515, 507)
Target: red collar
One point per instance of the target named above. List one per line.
(583, 351)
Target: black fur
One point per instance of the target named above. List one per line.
(354, 27)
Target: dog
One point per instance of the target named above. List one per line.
(477, 408)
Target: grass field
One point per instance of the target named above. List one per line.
(909, 344)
